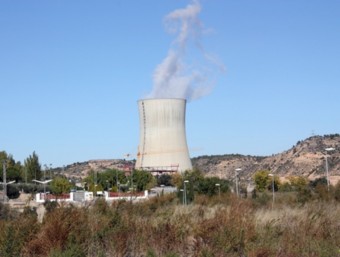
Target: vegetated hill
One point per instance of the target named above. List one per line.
(80, 170)
(306, 158)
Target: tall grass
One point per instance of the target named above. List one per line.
(162, 226)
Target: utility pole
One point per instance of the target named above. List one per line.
(327, 174)
(25, 168)
(4, 181)
(236, 178)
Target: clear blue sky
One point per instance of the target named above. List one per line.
(71, 73)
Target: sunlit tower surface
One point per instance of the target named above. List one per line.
(162, 138)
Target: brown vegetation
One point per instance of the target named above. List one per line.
(210, 226)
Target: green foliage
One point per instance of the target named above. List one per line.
(32, 188)
(304, 194)
(60, 185)
(164, 179)
(261, 179)
(16, 232)
(143, 180)
(297, 182)
(276, 181)
(50, 205)
(230, 227)
(211, 186)
(32, 167)
(198, 184)
(13, 168)
(317, 181)
(12, 192)
(95, 188)
(106, 179)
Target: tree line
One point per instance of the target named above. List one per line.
(15, 170)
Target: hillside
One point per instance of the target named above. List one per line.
(306, 158)
(79, 170)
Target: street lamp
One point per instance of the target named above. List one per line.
(327, 175)
(236, 178)
(219, 189)
(182, 190)
(185, 192)
(272, 175)
(44, 183)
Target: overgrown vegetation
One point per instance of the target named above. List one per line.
(209, 226)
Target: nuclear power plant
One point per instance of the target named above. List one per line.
(162, 138)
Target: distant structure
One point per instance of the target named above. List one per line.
(162, 145)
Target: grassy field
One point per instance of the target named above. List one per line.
(210, 226)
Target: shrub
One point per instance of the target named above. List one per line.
(337, 192)
(12, 192)
(304, 195)
(261, 179)
(164, 179)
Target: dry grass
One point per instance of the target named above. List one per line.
(220, 226)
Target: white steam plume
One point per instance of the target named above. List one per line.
(173, 78)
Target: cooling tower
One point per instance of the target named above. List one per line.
(162, 143)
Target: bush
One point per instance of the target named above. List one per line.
(164, 179)
(317, 181)
(304, 195)
(262, 199)
(12, 192)
(337, 192)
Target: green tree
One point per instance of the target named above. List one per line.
(60, 185)
(32, 167)
(298, 182)
(110, 178)
(193, 178)
(143, 180)
(13, 168)
(208, 186)
(164, 179)
(261, 179)
(12, 192)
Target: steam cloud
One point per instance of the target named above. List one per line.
(173, 77)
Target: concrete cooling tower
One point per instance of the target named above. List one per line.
(162, 144)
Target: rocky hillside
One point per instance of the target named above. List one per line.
(79, 170)
(306, 158)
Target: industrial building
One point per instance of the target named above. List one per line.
(162, 139)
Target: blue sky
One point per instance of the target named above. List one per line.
(71, 73)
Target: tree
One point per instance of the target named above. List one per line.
(110, 178)
(12, 192)
(318, 181)
(261, 179)
(298, 182)
(177, 180)
(13, 168)
(32, 167)
(207, 186)
(143, 180)
(60, 185)
(164, 179)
